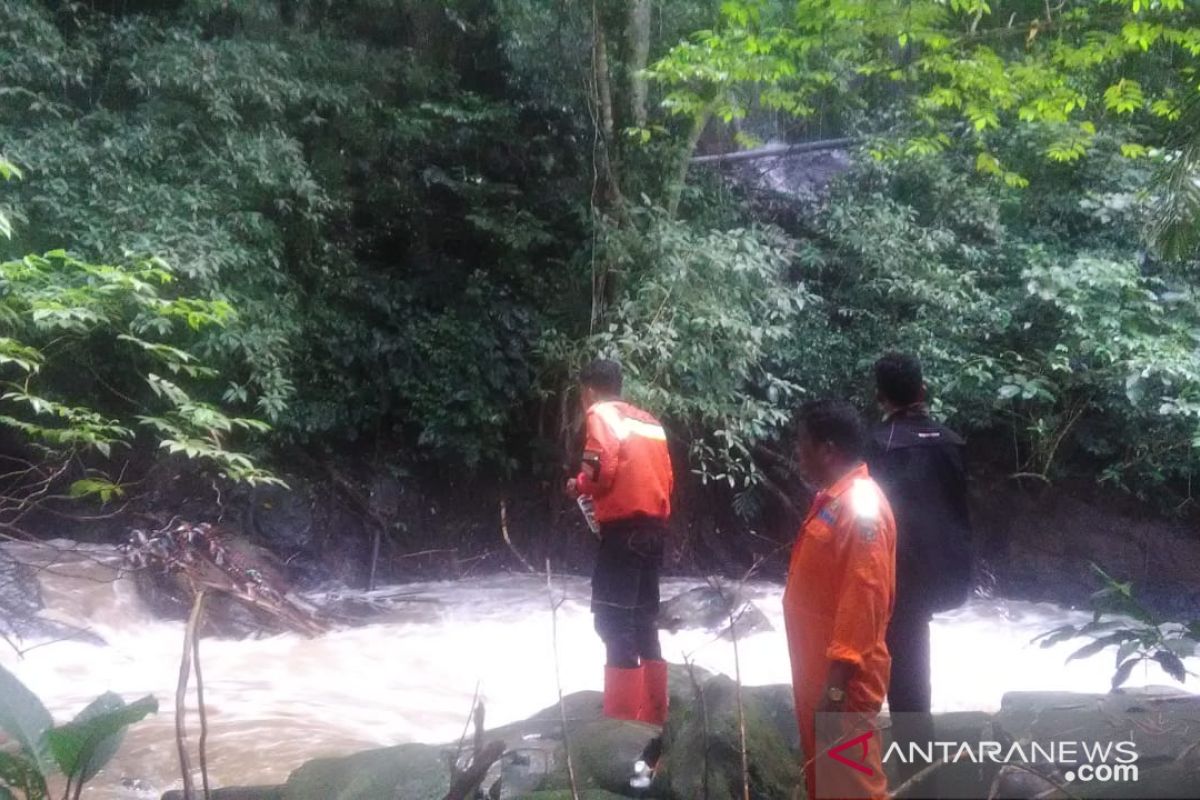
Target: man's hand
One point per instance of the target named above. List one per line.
(830, 706)
(572, 489)
(833, 699)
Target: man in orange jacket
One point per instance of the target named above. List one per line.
(840, 589)
(627, 472)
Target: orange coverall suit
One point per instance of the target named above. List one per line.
(840, 588)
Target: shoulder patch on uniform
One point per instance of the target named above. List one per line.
(828, 515)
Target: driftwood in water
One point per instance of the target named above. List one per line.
(208, 561)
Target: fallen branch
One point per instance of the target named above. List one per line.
(918, 778)
(775, 151)
(508, 540)
(467, 782)
(464, 783)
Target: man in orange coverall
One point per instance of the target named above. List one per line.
(840, 588)
(627, 472)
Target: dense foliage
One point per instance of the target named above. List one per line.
(427, 215)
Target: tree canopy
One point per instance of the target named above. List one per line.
(400, 227)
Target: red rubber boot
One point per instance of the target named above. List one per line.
(654, 692)
(622, 692)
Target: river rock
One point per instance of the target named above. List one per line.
(237, 793)
(702, 751)
(406, 772)
(705, 607)
(710, 608)
(747, 621)
(281, 520)
(565, 794)
(1163, 723)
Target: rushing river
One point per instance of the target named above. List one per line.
(274, 702)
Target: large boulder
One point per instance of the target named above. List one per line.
(281, 520)
(236, 793)
(702, 744)
(1162, 722)
(603, 754)
(406, 772)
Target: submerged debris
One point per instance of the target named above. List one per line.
(196, 556)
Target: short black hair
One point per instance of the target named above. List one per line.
(835, 422)
(604, 375)
(898, 379)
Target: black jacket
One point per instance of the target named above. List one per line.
(921, 466)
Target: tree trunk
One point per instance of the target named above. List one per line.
(600, 70)
(638, 37)
(675, 189)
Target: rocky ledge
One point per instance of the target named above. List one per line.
(701, 756)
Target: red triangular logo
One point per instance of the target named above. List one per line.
(860, 742)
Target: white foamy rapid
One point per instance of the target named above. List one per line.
(277, 701)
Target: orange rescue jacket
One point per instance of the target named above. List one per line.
(626, 464)
(840, 589)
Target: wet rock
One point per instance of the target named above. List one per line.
(565, 794)
(702, 750)
(710, 608)
(1160, 721)
(281, 520)
(237, 793)
(704, 607)
(747, 621)
(604, 753)
(406, 772)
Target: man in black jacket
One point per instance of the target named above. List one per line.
(920, 465)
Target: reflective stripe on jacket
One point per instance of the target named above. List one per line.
(626, 464)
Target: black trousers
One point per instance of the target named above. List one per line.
(910, 692)
(625, 594)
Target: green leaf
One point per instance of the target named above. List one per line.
(20, 772)
(87, 487)
(25, 720)
(1123, 672)
(1171, 664)
(1094, 647)
(1127, 649)
(83, 746)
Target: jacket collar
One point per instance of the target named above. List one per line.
(836, 489)
(843, 484)
(918, 410)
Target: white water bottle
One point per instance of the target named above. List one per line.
(589, 512)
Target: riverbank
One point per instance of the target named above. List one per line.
(701, 747)
(1035, 541)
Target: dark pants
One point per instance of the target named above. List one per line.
(625, 590)
(910, 692)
